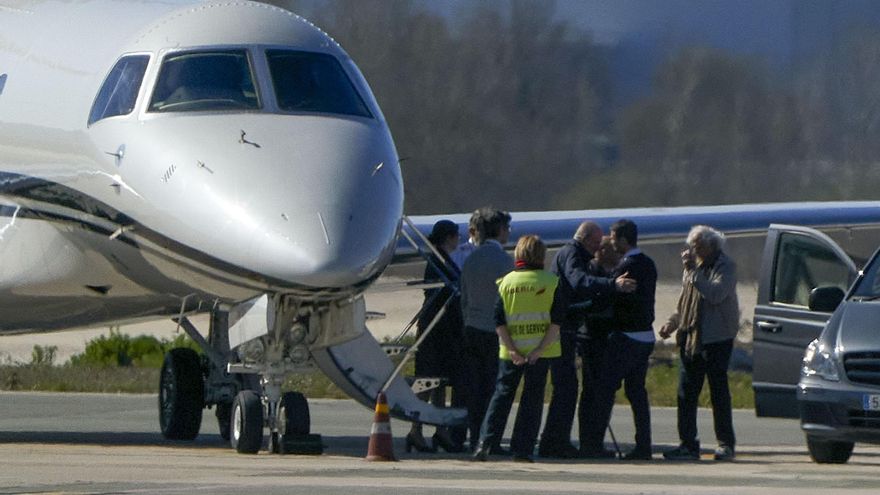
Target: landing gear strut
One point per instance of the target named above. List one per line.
(245, 385)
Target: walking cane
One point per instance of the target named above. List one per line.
(614, 440)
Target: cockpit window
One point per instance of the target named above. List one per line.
(313, 82)
(119, 92)
(205, 81)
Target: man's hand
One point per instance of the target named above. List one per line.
(687, 259)
(625, 284)
(517, 358)
(533, 356)
(667, 330)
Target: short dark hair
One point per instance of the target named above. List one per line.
(490, 221)
(626, 229)
(442, 230)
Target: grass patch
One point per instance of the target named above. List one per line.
(69, 378)
(662, 385)
(122, 364)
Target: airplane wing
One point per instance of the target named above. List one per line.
(659, 224)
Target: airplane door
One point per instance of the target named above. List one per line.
(795, 261)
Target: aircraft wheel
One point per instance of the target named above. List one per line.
(181, 395)
(247, 423)
(829, 451)
(293, 415)
(223, 412)
(275, 443)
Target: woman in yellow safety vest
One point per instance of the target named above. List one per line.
(527, 320)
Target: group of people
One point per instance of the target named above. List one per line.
(514, 321)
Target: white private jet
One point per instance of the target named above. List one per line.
(162, 158)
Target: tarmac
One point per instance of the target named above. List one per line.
(99, 443)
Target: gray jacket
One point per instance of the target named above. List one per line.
(719, 306)
(482, 268)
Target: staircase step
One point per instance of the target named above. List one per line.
(421, 384)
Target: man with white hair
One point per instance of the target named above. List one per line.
(706, 323)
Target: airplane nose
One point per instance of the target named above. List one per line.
(337, 246)
(332, 206)
(300, 200)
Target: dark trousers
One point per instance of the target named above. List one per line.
(711, 363)
(531, 405)
(560, 415)
(626, 360)
(592, 352)
(481, 350)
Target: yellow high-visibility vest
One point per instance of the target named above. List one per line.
(527, 297)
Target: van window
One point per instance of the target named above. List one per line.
(205, 81)
(119, 92)
(313, 82)
(802, 264)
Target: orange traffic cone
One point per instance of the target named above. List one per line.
(380, 448)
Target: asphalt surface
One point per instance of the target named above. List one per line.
(95, 443)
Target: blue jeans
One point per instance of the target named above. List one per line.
(531, 405)
(712, 364)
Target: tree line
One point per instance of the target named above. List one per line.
(506, 104)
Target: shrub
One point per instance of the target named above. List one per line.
(43, 355)
(117, 349)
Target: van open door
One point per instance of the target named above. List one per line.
(795, 261)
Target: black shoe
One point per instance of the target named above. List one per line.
(481, 454)
(638, 455)
(498, 450)
(682, 453)
(442, 439)
(564, 451)
(597, 454)
(523, 458)
(415, 440)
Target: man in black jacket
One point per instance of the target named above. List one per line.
(572, 264)
(629, 347)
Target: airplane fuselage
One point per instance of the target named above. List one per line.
(114, 208)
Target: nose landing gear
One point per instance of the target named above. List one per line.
(245, 385)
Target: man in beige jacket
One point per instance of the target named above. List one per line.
(706, 324)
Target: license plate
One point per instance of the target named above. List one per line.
(871, 402)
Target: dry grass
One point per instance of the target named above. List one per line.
(662, 381)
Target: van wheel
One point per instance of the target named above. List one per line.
(829, 451)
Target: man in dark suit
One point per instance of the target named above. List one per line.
(629, 347)
(572, 265)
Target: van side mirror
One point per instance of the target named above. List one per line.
(825, 299)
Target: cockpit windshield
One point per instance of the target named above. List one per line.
(313, 82)
(205, 81)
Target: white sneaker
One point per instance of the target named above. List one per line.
(724, 453)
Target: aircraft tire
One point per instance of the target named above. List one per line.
(181, 395)
(246, 436)
(223, 412)
(829, 451)
(294, 415)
